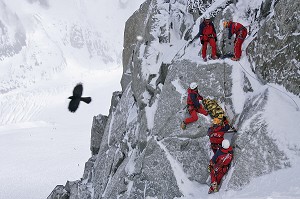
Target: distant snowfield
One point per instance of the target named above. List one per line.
(42, 144)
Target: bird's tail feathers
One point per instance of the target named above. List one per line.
(86, 99)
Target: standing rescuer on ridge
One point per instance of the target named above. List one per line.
(241, 33)
(207, 34)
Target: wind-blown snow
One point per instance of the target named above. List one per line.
(150, 113)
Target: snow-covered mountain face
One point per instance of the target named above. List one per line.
(143, 153)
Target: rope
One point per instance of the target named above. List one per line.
(224, 91)
(184, 46)
(297, 107)
(176, 55)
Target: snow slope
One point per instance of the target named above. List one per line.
(65, 42)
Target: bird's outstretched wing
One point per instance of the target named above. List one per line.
(77, 92)
(73, 105)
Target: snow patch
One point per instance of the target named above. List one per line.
(139, 38)
(132, 114)
(179, 88)
(280, 118)
(150, 113)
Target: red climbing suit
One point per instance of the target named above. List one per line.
(216, 135)
(208, 34)
(241, 33)
(194, 106)
(219, 164)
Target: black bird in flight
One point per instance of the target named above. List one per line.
(76, 98)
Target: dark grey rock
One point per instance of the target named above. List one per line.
(88, 169)
(183, 150)
(275, 51)
(79, 189)
(59, 192)
(116, 96)
(247, 85)
(135, 26)
(72, 188)
(155, 178)
(98, 127)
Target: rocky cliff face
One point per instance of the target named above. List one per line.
(275, 50)
(143, 149)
